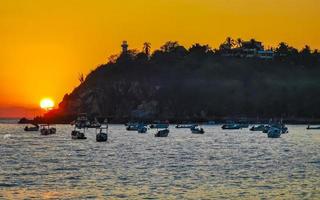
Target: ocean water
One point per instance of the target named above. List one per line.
(221, 164)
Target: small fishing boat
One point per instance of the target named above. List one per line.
(102, 136)
(185, 125)
(132, 127)
(274, 132)
(197, 130)
(282, 128)
(35, 127)
(47, 130)
(142, 129)
(257, 128)
(162, 133)
(77, 134)
(231, 126)
(313, 128)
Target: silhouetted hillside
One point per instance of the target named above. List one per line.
(240, 79)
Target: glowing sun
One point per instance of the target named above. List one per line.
(46, 103)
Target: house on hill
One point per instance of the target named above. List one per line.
(250, 49)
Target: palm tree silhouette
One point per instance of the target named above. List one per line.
(146, 48)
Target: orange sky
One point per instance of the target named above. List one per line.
(45, 44)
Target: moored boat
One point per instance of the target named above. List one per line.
(197, 130)
(102, 135)
(185, 125)
(132, 127)
(47, 130)
(78, 135)
(257, 128)
(142, 129)
(231, 126)
(283, 129)
(162, 133)
(274, 132)
(313, 128)
(35, 127)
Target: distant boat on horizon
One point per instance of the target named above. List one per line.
(312, 128)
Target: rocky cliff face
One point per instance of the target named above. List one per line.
(118, 99)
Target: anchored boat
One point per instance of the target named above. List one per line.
(47, 130)
(77, 134)
(102, 136)
(197, 130)
(35, 127)
(185, 125)
(162, 133)
(313, 128)
(257, 128)
(274, 132)
(142, 129)
(231, 126)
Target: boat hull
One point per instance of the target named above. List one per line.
(274, 133)
(29, 129)
(313, 128)
(102, 137)
(77, 135)
(162, 133)
(184, 126)
(197, 130)
(231, 127)
(142, 130)
(48, 131)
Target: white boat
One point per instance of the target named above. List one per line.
(185, 125)
(197, 130)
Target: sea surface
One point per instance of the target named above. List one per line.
(221, 164)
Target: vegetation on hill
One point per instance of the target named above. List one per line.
(199, 83)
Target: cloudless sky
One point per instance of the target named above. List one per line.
(45, 44)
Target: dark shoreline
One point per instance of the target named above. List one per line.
(293, 121)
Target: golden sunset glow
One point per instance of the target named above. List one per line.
(46, 44)
(46, 103)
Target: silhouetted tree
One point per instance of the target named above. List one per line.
(169, 46)
(146, 48)
(239, 42)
